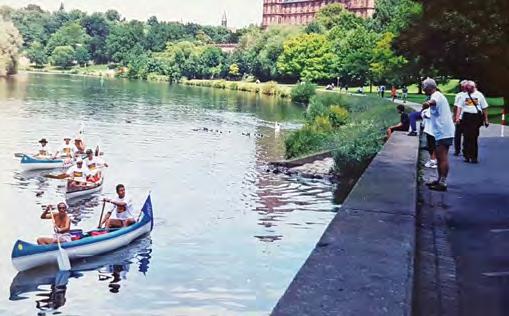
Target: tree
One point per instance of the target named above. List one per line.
(10, 45)
(233, 70)
(124, 40)
(63, 56)
(112, 15)
(98, 28)
(307, 57)
(71, 34)
(385, 64)
(463, 39)
(81, 55)
(36, 54)
(335, 15)
(394, 15)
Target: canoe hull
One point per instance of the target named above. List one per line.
(26, 256)
(75, 194)
(93, 249)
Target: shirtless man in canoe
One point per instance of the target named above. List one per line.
(62, 225)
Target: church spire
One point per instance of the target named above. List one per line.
(224, 20)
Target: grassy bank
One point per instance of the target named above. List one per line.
(267, 88)
(353, 127)
(92, 70)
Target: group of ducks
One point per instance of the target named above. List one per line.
(277, 129)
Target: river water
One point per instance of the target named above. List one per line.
(228, 236)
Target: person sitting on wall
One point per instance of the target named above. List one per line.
(404, 122)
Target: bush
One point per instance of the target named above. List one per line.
(270, 88)
(315, 108)
(304, 141)
(322, 124)
(356, 145)
(234, 86)
(302, 93)
(220, 84)
(338, 116)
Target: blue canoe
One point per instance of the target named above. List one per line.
(26, 256)
(32, 163)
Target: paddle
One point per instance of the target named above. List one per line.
(102, 212)
(56, 176)
(18, 155)
(64, 264)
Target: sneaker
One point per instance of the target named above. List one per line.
(434, 182)
(467, 160)
(438, 187)
(412, 133)
(431, 164)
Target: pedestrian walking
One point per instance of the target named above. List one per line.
(443, 130)
(382, 91)
(458, 132)
(405, 93)
(473, 114)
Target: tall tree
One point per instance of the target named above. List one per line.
(464, 39)
(10, 45)
(71, 34)
(98, 28)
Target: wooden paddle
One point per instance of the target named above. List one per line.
(18, 155)
(102, 212)
(56, 176)
(64, 264)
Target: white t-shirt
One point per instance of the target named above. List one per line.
(469, 105)
(78, 174)
(441, 117)
(43, 151)
(426, 119)
(129, 211)
(67, 150)
(457, 99)
(94, 165)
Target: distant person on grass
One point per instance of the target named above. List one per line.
(404, 122)
(405, 93)
(443, 129)
(458, 132)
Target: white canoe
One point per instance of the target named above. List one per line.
(31, 163)
(26, 256)
(89, 189)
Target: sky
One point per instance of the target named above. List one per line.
(208, 12)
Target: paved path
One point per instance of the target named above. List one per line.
(475, 213)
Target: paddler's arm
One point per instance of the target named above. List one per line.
(46, 213)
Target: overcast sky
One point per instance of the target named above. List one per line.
(239, 12)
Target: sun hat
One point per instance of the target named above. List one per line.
(43, 140)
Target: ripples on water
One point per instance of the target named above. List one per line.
(228, 235)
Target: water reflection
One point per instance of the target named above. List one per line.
(112, 269)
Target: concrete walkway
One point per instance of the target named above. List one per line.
(470, 234)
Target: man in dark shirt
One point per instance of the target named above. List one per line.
(404, 122)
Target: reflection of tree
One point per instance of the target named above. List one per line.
(56, 297)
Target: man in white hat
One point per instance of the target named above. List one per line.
(78, 174)
(443, 128)
(458, 132)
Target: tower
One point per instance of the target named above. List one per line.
(224, 21)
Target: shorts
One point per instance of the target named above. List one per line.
(66, 237)
(430, 139)
(446, 142)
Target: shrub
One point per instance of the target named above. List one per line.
(270, 88)
(322, 124)
(338, 116)
(234, 86)
(302, 93)
(220, 84)
(356, 145)
(315, 108)
(304, 141)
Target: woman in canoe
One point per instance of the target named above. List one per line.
(62, 225)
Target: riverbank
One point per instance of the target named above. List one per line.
(363, 264)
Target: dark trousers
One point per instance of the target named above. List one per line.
(458, 132)
(414, 117)
(470, 126)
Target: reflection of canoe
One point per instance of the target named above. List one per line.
(32, 280)
(89, 189)
(26, 256)
(31, 163)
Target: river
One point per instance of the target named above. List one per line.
(228, 236)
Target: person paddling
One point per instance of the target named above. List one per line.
(94, 165)
(79, 145)
(78, 174)
(43, 151)
(67, 149)
(122, 212)
(62, 225)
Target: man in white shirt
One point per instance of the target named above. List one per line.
(443, 129)
(94, 165)
(458, 132)
(473, 114)
(43, 151)
(78, 174)
(430, 139)
(122, 212)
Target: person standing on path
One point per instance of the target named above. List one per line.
(443, 129)
(394, 93)
(430, 139)
(473, 115)
(405, 93)
(458, 132)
